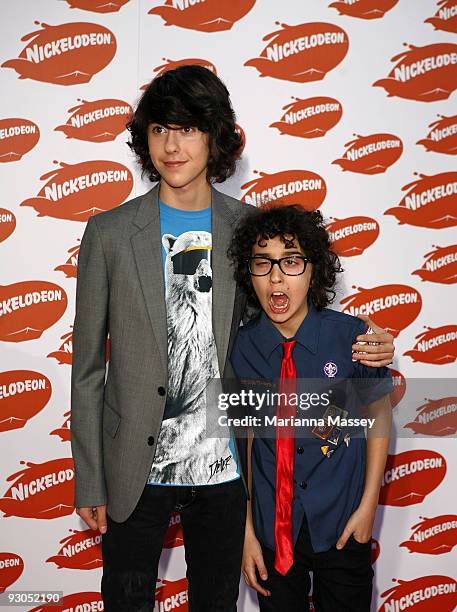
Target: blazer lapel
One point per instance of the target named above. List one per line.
(223, 221)
(147, 248)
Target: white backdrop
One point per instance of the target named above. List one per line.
(354, 139)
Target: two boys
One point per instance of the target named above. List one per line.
(153, 273)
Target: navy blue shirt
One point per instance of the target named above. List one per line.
(327, 489)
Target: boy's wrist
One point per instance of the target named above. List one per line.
(368, 504)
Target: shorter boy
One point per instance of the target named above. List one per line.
(314, 496)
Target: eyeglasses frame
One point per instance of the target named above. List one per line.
(276, 261)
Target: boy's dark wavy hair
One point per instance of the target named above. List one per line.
(285, 221)
(189, 96)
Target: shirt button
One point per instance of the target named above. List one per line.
(300, 450)
(303, 484)
(151, 440)
(161, 390)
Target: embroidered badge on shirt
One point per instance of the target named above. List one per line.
(330, 369)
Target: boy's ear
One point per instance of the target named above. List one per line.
(168, 241)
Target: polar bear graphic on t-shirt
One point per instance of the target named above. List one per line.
(184, 451)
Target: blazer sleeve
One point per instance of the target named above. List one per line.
(88, 370)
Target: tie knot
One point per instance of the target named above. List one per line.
(288, 347)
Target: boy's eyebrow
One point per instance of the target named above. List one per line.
(285, 253)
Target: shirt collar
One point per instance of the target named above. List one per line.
(268, 337)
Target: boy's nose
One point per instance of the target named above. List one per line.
(171, 142)
(276, 276)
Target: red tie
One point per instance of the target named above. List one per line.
(285, 452)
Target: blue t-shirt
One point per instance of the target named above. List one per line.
(186, 453)
(328, 489)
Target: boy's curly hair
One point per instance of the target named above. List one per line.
(287, 221)
(189, 96)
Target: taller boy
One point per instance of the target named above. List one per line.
(153, 273)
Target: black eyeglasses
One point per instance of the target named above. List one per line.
(293, 265)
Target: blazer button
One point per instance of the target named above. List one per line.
(161, 390)
(303, 484)
(151, 440)
(300, 450)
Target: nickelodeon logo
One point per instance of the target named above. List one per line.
(44, 491)
(424, 73)
(38, 53)
(80, 550)
(430, 202)
(436, 418)
(58, 191)
(203, 15)
(410, 476)
(276, 52)
(82, 190)
(382, 303)
(28, 308)
(353, 229)
(422, 535)
(443, 136)
(98, 121)
(27, 299)
(310, 118)
(65, 54)
(433, 536)
(18, 130)
(289, 187)
(435, 345)
(302, 53)
(419, 594)
(11, 568)
(23, 386)
(371, 154)
(11, 562)
(351, 236)
(416, 200)
(26, 490)
(404, 72)
(446, 17)
(23, 394)
(410, 468)
(17, 137)
(393, 307)
(441, 265)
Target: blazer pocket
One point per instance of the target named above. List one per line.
(111, 420)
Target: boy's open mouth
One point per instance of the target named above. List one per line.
(279, 302)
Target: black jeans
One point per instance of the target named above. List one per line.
(212, 518)
(342, 579)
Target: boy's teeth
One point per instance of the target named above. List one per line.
(279, 299)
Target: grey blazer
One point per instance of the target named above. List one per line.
(116, 416)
